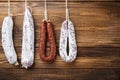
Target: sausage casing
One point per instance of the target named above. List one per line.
(7, 41)
(67, 34)
(47, 28)
(27, 57)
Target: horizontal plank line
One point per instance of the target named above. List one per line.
(81, 62)
(64, 1)
(61, 74)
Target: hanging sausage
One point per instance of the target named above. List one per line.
(47, 28)
(67, 35)
(7, 41)
(27, 57)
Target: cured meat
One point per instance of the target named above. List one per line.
(47, 28)
(7, 41)
(28, 40)
(67, 34)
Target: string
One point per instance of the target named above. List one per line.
(45, 13)
(25, 4)
(8, 7)
(67, 11)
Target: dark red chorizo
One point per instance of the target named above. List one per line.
(47, 28)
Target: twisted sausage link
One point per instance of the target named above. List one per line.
(47, 27)
(67, 34)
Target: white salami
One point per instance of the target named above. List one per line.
(67, 36)
(7, 41)
(67, 32)
(28, 40)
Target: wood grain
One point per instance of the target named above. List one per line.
(97, 26)
(60, 74)
(58, 0)
(87, 21)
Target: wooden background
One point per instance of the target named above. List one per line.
(97, 25)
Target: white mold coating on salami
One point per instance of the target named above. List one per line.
(28, 40)
(7, 41)
(67, 32)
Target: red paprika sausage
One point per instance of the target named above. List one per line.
(47, 28)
